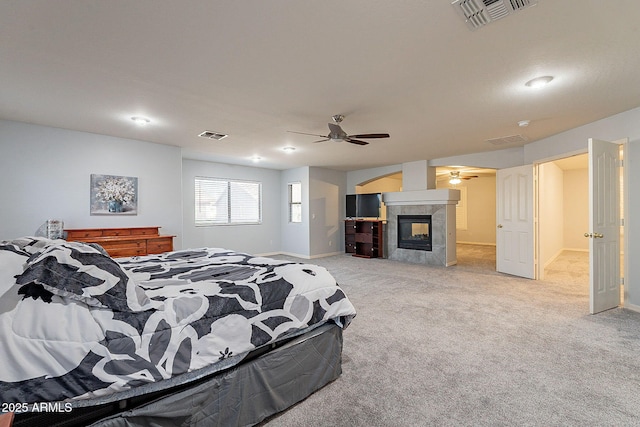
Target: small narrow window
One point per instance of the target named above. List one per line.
(295, 202)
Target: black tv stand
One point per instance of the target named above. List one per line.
(364, 238)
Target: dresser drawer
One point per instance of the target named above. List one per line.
(82, 234)
(144, 231)
(126, 252)
(117, 232)
(159, 245)
(124, 242)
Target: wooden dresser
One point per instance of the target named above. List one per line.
(124, 242)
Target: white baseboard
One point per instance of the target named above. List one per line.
(631, 307)
(293, 255)
(326, 255)
(477, 243)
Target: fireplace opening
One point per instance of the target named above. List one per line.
(414, 232)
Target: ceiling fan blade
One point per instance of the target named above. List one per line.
(322, 140)
(370, 135)
(304, 133)
(355, 141)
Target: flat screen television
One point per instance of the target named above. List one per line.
(351, 206)
(363, 205)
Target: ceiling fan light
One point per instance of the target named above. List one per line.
(142, 121)
(539, 82)
(455, 181)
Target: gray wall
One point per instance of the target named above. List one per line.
(295, 237)
(327, 189)
(632, 222)
(46, 173)
(254, 238)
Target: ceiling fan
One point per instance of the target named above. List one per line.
(337, 134)
(455, 178)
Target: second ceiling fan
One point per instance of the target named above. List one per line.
(337, 134)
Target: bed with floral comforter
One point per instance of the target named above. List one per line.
(77, 325)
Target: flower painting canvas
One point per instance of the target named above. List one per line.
(114, 195)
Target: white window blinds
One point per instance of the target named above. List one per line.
(219, 201)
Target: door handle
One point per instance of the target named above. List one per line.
(499, 225)
(594, 235)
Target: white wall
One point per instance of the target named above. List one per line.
(385, 184)
(362, 176)
(550, 213)
(46, 174)
(481, 210)
(576, 209)
(255, 238)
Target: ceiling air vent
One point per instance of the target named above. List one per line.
(212, 135)
(511, 139)
(478, 13)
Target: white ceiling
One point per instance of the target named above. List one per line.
(255, 69)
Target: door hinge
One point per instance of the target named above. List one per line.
(621, 222)
(622, 280)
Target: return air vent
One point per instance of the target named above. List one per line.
(511, 139)
(478, 13)
(212, 135)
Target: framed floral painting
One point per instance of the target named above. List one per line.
(114, 195)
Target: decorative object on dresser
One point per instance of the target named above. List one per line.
(364, 238)
(124, 242)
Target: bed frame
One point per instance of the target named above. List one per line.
(246, 394)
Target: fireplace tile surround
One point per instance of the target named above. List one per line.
(441, 205)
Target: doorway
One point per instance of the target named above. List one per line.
(563, 218)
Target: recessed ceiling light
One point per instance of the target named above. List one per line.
(140, 120)
(289, 149)
(524, 123)
(539, 81)
(256, 159)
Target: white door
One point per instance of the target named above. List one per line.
(515, 221)
(604, 221)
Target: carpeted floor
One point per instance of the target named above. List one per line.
(467, 346)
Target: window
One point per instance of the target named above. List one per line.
(220, 201)
(295, 202)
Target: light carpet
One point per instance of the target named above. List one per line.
(467, 346)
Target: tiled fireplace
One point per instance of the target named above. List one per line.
(440, 207)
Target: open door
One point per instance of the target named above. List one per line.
(604, 221)
(515, 221)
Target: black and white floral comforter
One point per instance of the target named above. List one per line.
(75, 324)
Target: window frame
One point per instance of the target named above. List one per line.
(229, 202)
(293, 203)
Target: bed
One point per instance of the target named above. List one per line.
(203, 336)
